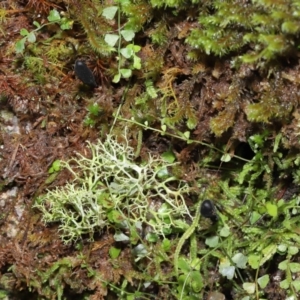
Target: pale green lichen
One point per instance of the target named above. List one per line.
(111, 188)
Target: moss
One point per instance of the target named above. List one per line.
(268, 29)
(272, 104)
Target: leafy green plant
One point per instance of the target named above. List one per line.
(30, 37)
(128, 52)
(190, 281)
(55, 167)
(290, 268)
(94, 110)
(142, 203)
(53, 171)
(110, 188)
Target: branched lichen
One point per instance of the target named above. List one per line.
(111, 187)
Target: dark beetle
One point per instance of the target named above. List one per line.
(84, 73)
(208, 210)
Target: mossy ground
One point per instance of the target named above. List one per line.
(218, 90)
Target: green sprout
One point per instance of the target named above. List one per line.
(30, 37)
(94, 110)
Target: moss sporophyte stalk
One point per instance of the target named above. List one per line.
(110, 188)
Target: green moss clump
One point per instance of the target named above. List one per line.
(268, 29)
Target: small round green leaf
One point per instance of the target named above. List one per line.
(212, 241)
(263, 281)
(126, 73)
(121, 237)
(254, 261)
(66, 24)
(151, 237)
(31, 38)
(249, 287)
(53, 16)
(283, 265)
(110, 12)
(271, 209)
(187, 134)
(55, 167)
(168, 156)
(228, 272)
(163, 173)
(294, 267)
(284, 284)
(20, 45)
(196, 281)
(140, 250)
(226, 157)
(282, 248)
(166, 244)
(127, 53)
(183, 265)
(255, 216)
(24, 32)
(225, 231)
(128, 35)
(240, 260)
(111, 39)
(296, 284)
(117, 78)
(137, 62)
(114, 252)
(293, 250)
(37, 24)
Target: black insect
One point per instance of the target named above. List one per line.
(85, 74)
(208, 210)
